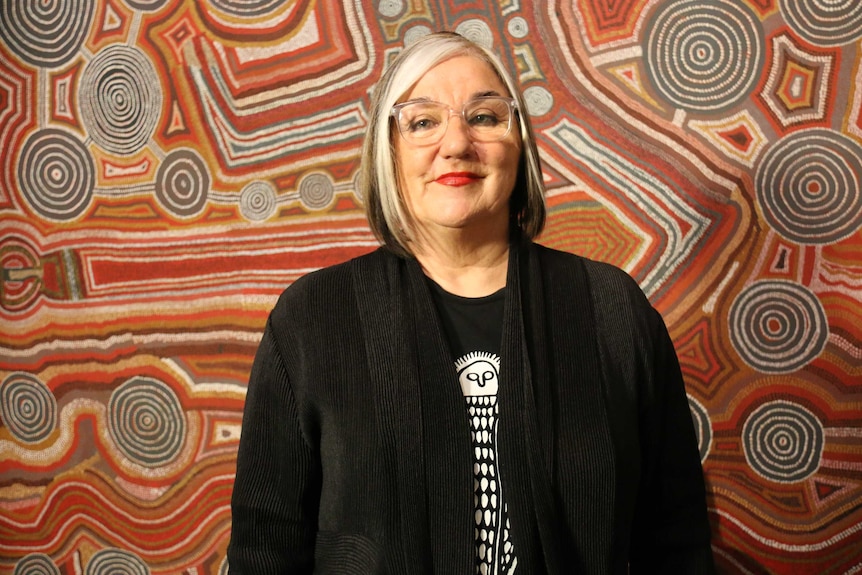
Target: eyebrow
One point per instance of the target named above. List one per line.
(473, 96)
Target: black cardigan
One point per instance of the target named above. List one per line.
(355, 454)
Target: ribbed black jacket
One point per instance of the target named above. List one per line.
(355, 454)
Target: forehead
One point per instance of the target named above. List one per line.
(458, 79)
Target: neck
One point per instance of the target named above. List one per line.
(465, 266)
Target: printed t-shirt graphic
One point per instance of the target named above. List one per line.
(478, 374)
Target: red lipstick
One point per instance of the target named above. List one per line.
(457, 178)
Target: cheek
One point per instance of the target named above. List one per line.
(505, 152)
(402, 170)
(507, 164)
(410, 163)
(410, 169)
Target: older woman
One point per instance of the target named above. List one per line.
(463, 400)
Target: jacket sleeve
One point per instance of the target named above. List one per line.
(277, 488)
(671, 532)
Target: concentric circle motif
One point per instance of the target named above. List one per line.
(146, 421)
(704, 56)
(476, 31)
(183, 183)
(116, 562)
(518, 27)
(390, 8)
(36, 564)
(123, 99)
(783, 441)
(46, 34)
(21, 282)
(824, 22)
(27, 407)
(146, 5)
(415, 33)
(357, 189)
(778, 326)
(316, 191)
(702, 427)
(539, 100)
(56, 174)
(257, 201)
(808, 186)
(248, 8)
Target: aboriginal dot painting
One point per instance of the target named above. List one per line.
(169, 166)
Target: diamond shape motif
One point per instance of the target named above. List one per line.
(798, 84)
(737, 136)
(796, 89)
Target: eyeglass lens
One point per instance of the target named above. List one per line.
(487, 119)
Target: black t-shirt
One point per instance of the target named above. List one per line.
(474, 328)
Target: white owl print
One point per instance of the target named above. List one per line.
(478, 374)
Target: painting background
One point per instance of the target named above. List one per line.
(169, 166)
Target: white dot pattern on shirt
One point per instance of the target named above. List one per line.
(493, 555)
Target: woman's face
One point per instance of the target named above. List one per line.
(458, 183)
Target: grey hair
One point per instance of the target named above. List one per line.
(378, 184)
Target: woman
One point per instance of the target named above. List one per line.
(463, 400)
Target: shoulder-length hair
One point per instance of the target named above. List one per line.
(378, 183)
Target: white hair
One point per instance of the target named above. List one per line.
(378, 182)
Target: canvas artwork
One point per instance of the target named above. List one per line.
(168, 167)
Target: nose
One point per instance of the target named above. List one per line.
(456, 139)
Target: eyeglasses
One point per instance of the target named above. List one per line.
(423, 122)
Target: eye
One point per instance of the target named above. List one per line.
(487, 113)
(419, 118)
(484, 118)
(421, 123)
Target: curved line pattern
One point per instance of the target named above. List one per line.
(46, 34)
(27, 407)
(183, 183)
(783, 441)
(704, 56)
(808, 186)
(824, 22)
(778, 326)
(147, 422)
(123, 117)
(36, 564)
(116, 562)
(56, 174)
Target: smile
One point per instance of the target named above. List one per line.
(457, 178)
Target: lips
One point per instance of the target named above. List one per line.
(457, 178)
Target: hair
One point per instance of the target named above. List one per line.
(378, 184)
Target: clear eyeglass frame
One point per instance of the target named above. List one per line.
(434, 136)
